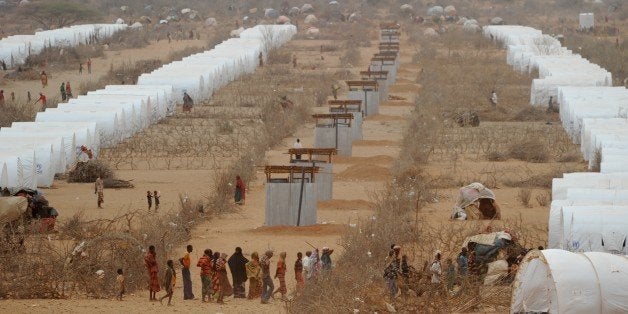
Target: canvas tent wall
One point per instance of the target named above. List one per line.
(21, 168)
(61, 145)
(557, 281)
(129, 118)
(82, 133)
(600, 228)
(4, 180)
(45, 162)
(107, 126)
(592, 180)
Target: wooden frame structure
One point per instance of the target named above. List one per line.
(335, 117)
(365, 85)
(345, 106)
(389, 47)
(310, 152)
(374, 75)
(294, 172)
(383, 59)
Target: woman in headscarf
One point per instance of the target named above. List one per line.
(253, 272)
(240, 191)
(281, 274)
(150, 261)
(237, 266)
(216, 287)
(298, 272)
(225, 287)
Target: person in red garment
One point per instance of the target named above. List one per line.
(150, 260)
(240, 191)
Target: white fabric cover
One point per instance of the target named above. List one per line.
(558, 281)
(21, 168)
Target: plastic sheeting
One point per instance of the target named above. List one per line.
(21, 168)
(558, 281)
(15, 49)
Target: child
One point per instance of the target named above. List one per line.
(156, 196)
(120, 281)
(170, 279)
(149, 198)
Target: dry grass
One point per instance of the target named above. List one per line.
(543, 199)
(530, 150)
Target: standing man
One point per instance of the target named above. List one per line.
(297, 144)
(326, 258)
(237, 266)
(185, 273)
(240, 191)
(89, 65)
(68, 90)
(267, 282)
(44, 79)
(98, 189)
(62, 91)
(334, 91)
(80, 68)
(307, 265)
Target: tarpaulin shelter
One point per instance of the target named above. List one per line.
(475, 201)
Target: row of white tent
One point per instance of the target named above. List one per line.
(31, 153)
(528, 49)
(589, 210)
(15, 49)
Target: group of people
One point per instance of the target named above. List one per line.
(66, 91)
(149, 198)
(215, 282)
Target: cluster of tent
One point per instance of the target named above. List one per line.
(15, 49)
(31, 153)
(585, 268)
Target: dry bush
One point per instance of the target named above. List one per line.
(524, 196)
(351, 57)
(89, 171)
(531, 114)
(543, 199)
(128, 39)
(64, 56)
(16, 112)
(495, 155)
(279, 57)
(530, 150)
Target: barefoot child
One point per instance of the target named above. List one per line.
(170, 279)
(120, 282)
(149, 198)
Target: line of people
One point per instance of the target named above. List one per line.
(215, 282)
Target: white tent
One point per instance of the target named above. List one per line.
(21, 168)
(81, 133)
(44, 166)
(4, 180)
(108, 129)
(590, 180)
(556, 281)
(598, 228)
(60, 148)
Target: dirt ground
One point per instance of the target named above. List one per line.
(356, 179)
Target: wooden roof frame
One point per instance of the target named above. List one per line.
(310, 152)
(343, 105)
(377, 75)
(347, 117)
(291, 170)
(366, 85)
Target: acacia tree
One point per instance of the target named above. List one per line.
(57, 14)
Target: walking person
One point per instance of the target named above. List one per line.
(28, 96)
(62, 91)
(253, 273)
(99, 186)
(44, 79)
(390, 274)
(216, 287)
(120, 284)
(68, 90)
(206, 265)
(298, 272)
(267, 282)
(237, 266)
(170, 279)
(1, 98)
(280, 274)
(326, 258)
(80, 68)
(436, 271)
(156, 196)
(240, 191)
(334, 91)
(149, 199)
(150, 261)
(493, 98)
(12, 97)
(185, 272)
(43, 101)
(89, 65)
